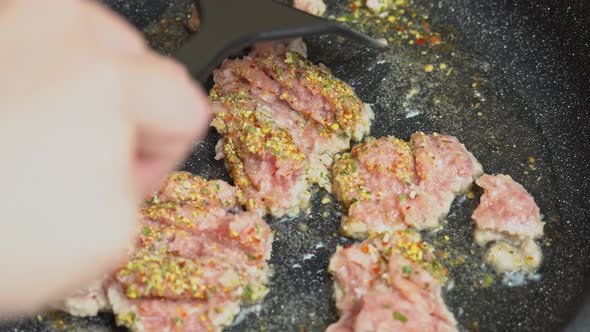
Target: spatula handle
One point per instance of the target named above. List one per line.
(228, 26)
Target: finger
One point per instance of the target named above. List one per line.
(171, 112)
(110, 30)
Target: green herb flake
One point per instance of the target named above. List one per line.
(178, 321)
(146, 231)
(400, 317)
(488, 280)
(352, 166)
(303, 227)
(406, 269)
(249, 293)
(149, 287)
(345, 18)
(280, 71)
(251, 129)
(289, 58)
(217, 186)
(127, 319)
(204, 190)
(402, 197)
(252, 258)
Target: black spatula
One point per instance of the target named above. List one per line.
(228, 26)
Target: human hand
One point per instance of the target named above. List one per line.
(91, 120)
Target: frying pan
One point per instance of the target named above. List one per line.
(252, 21)
(527, 64)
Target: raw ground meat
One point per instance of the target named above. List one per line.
(282, 119)
(506, 257)
(388, 184)
(445, 169)
(314, 7)
(372, 180)
(165, 315)
(506, 207)
(381, 6)
(508, 215)
(86, 302)
(391, 282)
(196, 258)
(382, 310)
(185, 187)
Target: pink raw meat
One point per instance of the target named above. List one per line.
(388, 184)
(391, 282)
(508, 215)
(506, 207)
(282, 119)
(196, 258)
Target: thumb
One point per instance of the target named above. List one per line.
(170, 111)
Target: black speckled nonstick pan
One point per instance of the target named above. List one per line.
(513, 85)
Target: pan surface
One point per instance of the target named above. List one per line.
(517, 96)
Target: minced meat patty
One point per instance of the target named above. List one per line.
(390, 282)
(388, 184)
(86, 302)
(509, 217)
(196, 258)
(314, 7)
(445, 168)
(282, 119)
(371, 181)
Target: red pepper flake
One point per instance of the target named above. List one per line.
(420, 41)
(399, 28)
(434, 40)
(353, 7)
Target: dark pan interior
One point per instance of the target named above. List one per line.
(530, 62)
